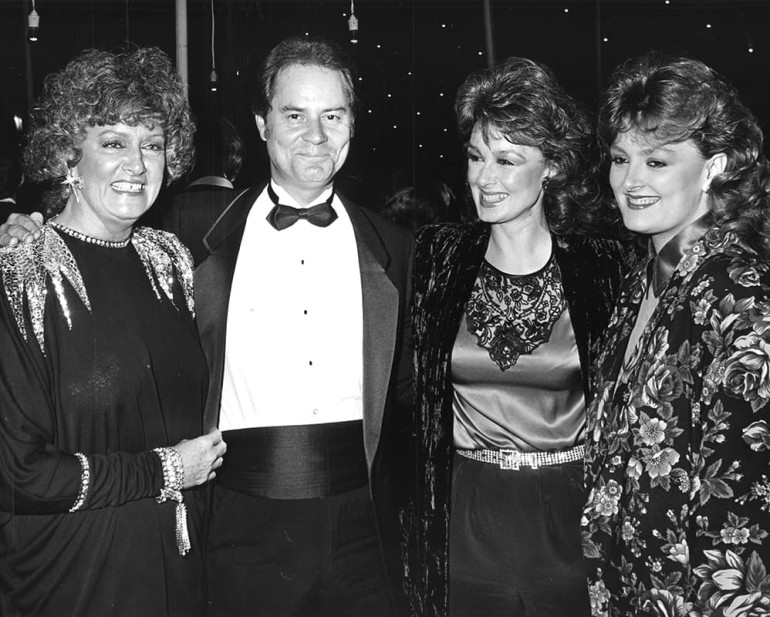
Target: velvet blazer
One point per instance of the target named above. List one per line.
(447, 262)
(385, 253)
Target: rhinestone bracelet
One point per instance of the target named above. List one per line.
(173, 482)
(85, 480)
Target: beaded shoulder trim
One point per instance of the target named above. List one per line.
(165, 258)
(26, 269)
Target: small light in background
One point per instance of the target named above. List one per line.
(213, 80)
(18, 123)
(353, 24)
(33, 25)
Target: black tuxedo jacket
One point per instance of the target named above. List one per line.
(194, 211)
(385, 253)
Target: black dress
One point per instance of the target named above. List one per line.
(111, 382)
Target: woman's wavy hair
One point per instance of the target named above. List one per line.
(675, 99)
(521, 100)
(136, 86)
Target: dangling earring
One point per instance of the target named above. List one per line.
(546, 181)
(75, 183)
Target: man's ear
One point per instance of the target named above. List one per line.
(261, 126)
(714, 166)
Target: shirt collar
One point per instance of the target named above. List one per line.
(661, 267)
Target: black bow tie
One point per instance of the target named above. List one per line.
(281, 217)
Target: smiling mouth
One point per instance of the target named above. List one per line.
(492, 199)
(640, 203)
(128, 187)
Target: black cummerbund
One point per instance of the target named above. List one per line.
(295, 462)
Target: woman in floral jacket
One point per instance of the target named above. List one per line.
(677, 456)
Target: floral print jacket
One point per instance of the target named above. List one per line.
(678, 452)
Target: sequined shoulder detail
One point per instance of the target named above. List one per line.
(165, 258)
(25, 270)
(514, 315)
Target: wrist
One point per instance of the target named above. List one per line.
(173, 483)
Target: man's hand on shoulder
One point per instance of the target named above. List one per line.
(20, 228)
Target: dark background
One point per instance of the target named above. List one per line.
(411, 55)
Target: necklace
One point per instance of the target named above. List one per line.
(111, 244)
(513, 315)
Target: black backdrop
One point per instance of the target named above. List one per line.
(412, 55)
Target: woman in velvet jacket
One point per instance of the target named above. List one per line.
(508, 313)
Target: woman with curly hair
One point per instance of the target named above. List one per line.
(507, 315)
(102, 377)
(679, 446)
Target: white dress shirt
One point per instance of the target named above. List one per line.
(294, 347)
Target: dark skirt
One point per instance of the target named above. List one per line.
(514, 541)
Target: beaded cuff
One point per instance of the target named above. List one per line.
(173, 482)
(85, 480)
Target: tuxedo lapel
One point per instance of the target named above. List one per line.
(213, 280)
(380, 302)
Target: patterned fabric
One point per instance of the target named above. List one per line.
(25, 271)
(514, 315)
(678, 454)
(447, 262)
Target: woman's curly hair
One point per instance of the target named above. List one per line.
(675, 99)
(522, 100)
(135, 87)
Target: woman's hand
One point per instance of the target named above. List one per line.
(201, 457)
(21, 228)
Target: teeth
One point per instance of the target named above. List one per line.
(494, 198)
(640, 202)
(128, 187)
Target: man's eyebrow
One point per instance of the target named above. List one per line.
(286, 108)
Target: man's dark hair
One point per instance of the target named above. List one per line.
(305, 51)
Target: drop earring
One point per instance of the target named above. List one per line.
(74, 182)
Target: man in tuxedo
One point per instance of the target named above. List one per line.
(302, 303)
(303, 316)
(218, 161)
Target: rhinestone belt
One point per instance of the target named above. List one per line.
(513, 459)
